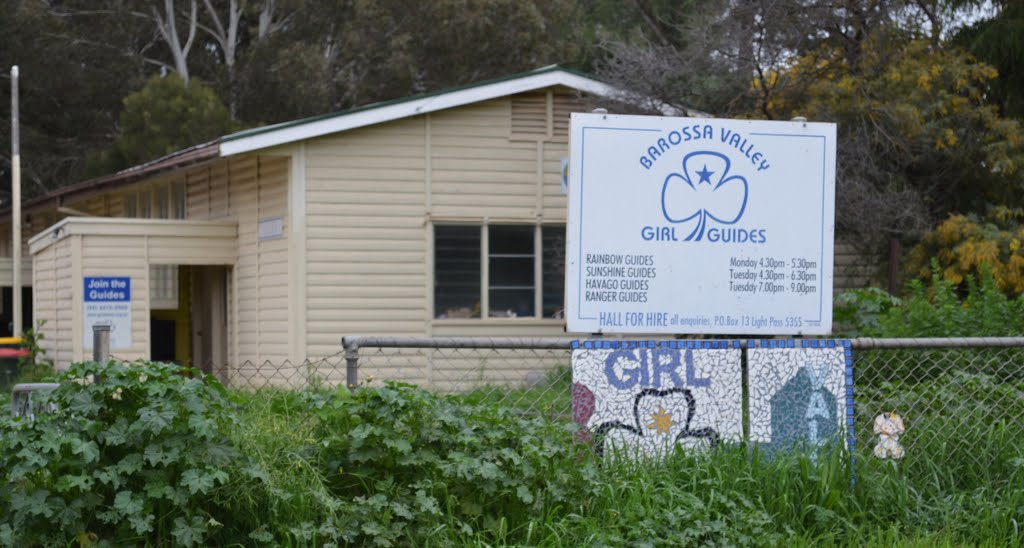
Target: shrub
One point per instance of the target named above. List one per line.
(964, 244)
(858, 311)
(36, 366)
(414, 462)
(937, 310)
(132, 457)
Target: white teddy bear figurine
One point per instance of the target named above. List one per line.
(889, 426)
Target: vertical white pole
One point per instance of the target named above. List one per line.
(15, 203)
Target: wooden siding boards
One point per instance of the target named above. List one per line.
(854, 270)
(250, 189)
(477, 171)
(365, 231)
(245, 189)
(81, 247)
(119, 256)
(371, 193)
(46, 302)
(63, 328)
(272, 202)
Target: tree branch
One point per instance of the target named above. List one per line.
(193, 22)
(216, 22)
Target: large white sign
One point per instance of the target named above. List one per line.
(108, 301)
(687, 225)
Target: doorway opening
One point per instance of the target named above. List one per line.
(209, 289)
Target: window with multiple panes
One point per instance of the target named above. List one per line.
(499, 271)
(159, 201)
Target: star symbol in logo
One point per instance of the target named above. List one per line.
(705, 175)
(662, 421)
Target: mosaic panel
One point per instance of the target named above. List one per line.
(801, 392)
(646, 397)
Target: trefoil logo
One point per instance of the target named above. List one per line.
(708, 198)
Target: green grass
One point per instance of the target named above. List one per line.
(461, 471)
(735, 496)
(285, 490)
(551, 397)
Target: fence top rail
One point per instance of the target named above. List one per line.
(352, 344)
(34, 387)
(939, 342)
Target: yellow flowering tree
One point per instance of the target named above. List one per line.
(917, 138)
(964, 245)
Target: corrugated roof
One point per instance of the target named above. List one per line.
(188, 157)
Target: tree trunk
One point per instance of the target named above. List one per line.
(166, 24)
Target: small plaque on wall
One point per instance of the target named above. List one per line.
(271, 229)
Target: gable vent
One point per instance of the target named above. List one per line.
(530, 116)
(564, 104)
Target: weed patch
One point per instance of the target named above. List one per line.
(146, 455)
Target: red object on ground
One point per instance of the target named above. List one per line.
(13, 352)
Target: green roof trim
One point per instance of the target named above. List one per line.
(426, 95)
(302, 121)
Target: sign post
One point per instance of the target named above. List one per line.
(700, 226)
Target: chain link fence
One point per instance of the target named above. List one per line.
(963, 397)
(960, 397)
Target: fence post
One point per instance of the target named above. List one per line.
(351, 346)
(100, 343)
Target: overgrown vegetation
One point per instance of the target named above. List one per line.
(963, 245)
(933, 310)
(146, 455)
(134, 453)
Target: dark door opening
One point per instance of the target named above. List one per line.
(7, 319)
(163, 341)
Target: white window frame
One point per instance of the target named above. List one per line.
(155, 201)
(164, 200)
(485, 256)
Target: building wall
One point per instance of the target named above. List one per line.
(51, 294)
(246, 190)
(373, 194)
(855, 270)
(114, 256)
(250, 189)
(365, 248)
(78, 248)
(58, 273)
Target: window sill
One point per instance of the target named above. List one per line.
(455, 322)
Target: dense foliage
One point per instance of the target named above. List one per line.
(165, 116)
(942, 308)
(146, 455)
(134, 452)
(268, 61)
(965, 245)
(920, 91)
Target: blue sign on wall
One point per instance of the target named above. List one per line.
(108, 301)
(108, 288)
